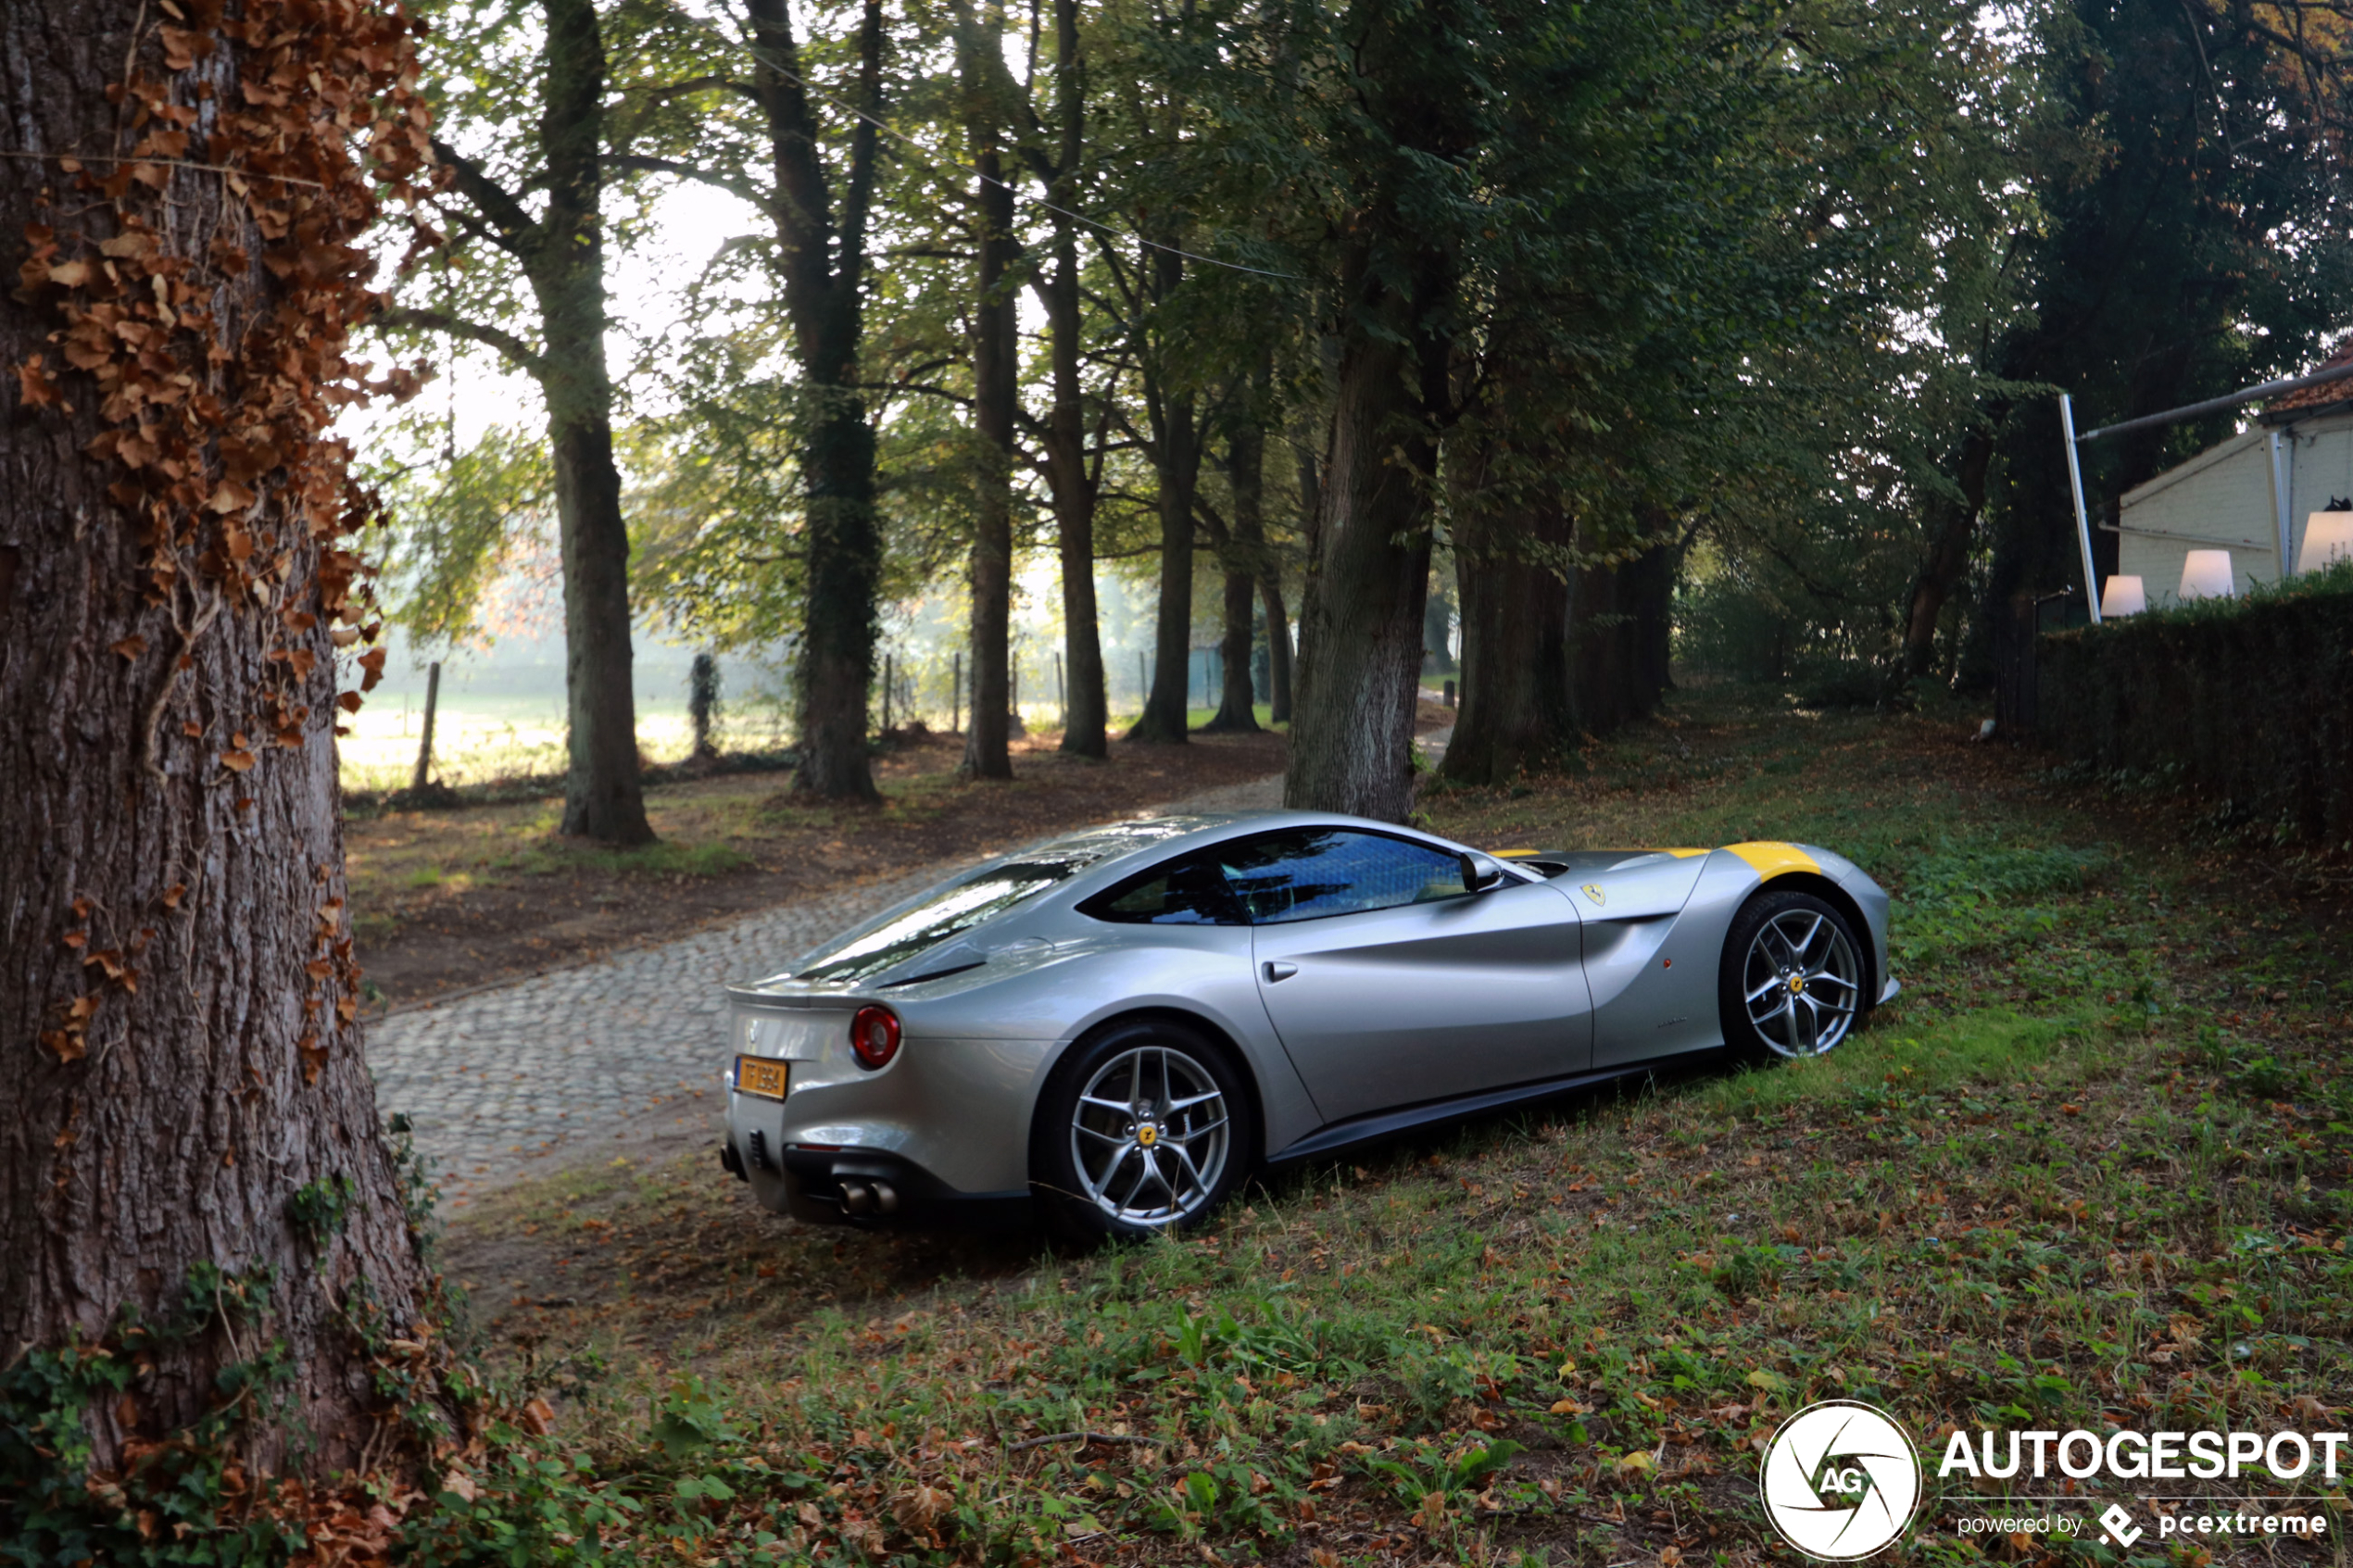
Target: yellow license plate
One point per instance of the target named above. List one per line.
(757, 1075)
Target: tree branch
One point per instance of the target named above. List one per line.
(735, 185)
(505, 341)
(515, 226)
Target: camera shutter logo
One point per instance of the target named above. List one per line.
(1841, 1480)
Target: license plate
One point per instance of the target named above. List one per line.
(757, 1075)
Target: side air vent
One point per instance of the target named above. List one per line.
(935, 974)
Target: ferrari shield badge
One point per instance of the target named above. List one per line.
(1593, 890)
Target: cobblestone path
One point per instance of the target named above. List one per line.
(548, 1064)
(553, 1068)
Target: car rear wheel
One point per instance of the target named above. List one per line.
(1145, 1128)
(1792, 979)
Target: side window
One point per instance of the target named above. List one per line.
(1319, 872)
(1186, 892)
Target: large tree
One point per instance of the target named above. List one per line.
(995, 372)
(191, 1166)
(559, 250)
(1407, 118)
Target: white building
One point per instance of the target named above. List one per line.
(2242, 494)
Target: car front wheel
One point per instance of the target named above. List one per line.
(1145, 1128)
(1792, 981)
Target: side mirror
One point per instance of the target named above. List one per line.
(1479, 872)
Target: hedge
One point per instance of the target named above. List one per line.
(2248, 700)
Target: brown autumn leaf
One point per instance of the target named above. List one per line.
(538, 1418)
(69, 274)
(238, 759)
(131, 647)
(173, 894)
(132, 244)
(66, 1044)
(921, 1507)
(181, 48)
(35, 385)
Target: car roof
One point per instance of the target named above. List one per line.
(1121, 845)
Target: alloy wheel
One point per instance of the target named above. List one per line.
(1802, 983)
(1150, 1136)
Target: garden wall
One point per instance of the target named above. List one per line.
(2249, 701)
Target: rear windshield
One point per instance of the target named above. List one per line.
(956, 908)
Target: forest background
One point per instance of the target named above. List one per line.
(1119, 350)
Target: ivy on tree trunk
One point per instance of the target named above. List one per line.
(189, 1114)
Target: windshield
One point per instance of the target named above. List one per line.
(987, 893)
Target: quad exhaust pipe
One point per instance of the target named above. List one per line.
(862, 1197)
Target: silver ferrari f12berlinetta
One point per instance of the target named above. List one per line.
(1115, 1027)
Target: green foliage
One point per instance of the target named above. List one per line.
(183, 1503)
(460, 520)
(2242, 700)
(319, 1209)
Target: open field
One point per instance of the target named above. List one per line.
(2089, 1171)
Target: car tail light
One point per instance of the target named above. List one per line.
(874, 1035)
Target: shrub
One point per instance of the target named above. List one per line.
(2249, 701)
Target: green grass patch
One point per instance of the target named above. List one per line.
(2088, 1169)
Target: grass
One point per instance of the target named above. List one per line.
(709, 828)
(2088, 1171)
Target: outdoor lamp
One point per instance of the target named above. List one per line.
(2327, 537)
(2206, 574)
(2124, 595)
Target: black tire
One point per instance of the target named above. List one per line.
(1806, 950)
(1161, 1163)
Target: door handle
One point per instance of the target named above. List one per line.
(1279, 970)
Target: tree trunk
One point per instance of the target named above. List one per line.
(603, 798)
(823, 263)
(1270, 595)
(1948, 548)
(1087, 704)
(179, 1059)
(845, 567)
(1245, 547)
(1177, 466)
(1360, 622)
(1619, 621)
(1515, 712)
(1360, 653)
(995, 352)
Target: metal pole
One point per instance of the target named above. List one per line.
(956, 695)
(2281, 479)
(2083, 519)
(2216, 404)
